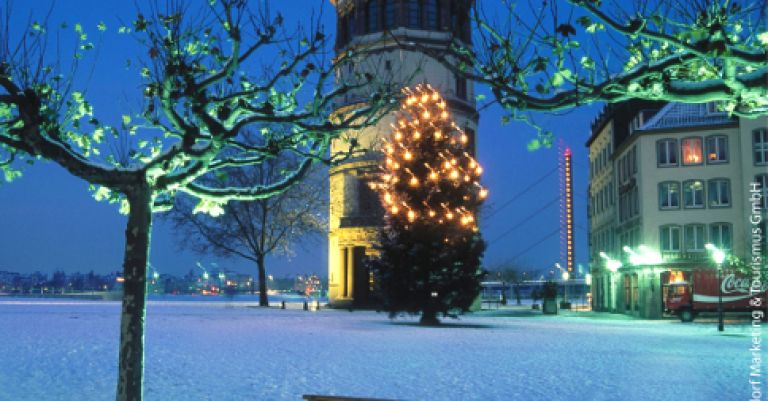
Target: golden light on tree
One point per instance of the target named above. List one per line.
(428, 165)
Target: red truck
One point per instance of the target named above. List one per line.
(689, 293)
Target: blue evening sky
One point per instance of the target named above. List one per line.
(49, 220)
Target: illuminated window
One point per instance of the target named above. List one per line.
(692, 151)
(720, 235)
(669, 238)
(666, 152)
(669, 195)
(693, 194)
(694, 238)
(760, 146)
(719, 193)
(717, 149)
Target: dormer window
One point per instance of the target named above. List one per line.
(713, 108)
(640, 119)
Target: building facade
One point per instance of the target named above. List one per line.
(377, 26)
(666, 179)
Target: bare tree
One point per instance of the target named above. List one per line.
(201, 92)
(255, 230)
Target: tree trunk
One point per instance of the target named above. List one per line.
(137, 236)
(429, 318)
(263, 300)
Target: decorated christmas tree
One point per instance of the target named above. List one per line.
(430, 247)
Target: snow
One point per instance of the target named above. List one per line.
(67, 350)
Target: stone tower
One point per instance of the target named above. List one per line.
(377, 26)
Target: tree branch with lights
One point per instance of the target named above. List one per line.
(430, 247)
(552, 56)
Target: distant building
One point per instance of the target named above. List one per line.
(376, 26)
(664, 180)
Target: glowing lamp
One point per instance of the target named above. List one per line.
(717, 255)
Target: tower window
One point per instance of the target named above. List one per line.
(415, 10)
(432, 14)
(389, 15)
(459, 20)
(461, 88)
(372, 16)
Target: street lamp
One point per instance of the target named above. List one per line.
(565, 276)
(718, 256)
(612, 264)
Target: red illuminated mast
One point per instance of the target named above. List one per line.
(566, 209)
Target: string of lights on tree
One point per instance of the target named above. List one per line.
(429, 172)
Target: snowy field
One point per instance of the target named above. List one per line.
(67, 350)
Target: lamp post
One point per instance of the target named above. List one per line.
(613, 265)
(718, 256)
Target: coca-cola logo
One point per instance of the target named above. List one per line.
(742, 285)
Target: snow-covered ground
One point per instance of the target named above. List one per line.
(67, 350)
